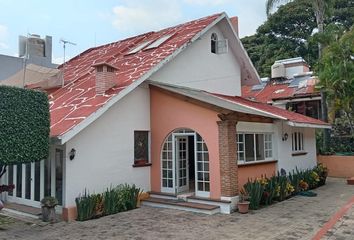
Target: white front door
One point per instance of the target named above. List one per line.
(182, 163)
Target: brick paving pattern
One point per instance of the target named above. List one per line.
(297, 218)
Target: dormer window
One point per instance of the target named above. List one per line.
(213, 42)
(218, 46)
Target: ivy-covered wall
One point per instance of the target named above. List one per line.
(24, 125)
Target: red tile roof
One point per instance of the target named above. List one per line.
(290, 116)
(76, 101)
(279, 91)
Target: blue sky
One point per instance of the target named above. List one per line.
(95, 22)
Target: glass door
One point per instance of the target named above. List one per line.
(182, 164)
(33, 181)
(167, 166)
(202, 183)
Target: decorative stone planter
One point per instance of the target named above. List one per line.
(48, 214)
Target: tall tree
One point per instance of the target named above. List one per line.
(285, 34)
(288, 32)
(320, 9)
(337, 75)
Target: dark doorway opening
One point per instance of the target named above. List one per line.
(191, 163)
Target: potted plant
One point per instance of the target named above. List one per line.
(48, 209)
(243, 203)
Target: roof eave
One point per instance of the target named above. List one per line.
(216, 100)
(308, 125)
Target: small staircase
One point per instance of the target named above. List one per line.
(184, 202)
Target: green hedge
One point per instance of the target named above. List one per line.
(24, 125)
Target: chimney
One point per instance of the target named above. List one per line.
(105, 77)
(234, 23)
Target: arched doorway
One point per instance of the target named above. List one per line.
(185, 164)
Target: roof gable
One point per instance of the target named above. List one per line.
(76, 105)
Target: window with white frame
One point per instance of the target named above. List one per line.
(297, 141)
(254, 147)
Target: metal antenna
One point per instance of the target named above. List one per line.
(64, 42)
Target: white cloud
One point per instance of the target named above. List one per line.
(207, 2)
(135, 17)
(3, 37)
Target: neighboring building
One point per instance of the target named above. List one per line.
(163, 110)
(292, 87)
(35, 56)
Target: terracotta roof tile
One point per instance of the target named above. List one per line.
(77, 99)
(291, 116)
(278, 91)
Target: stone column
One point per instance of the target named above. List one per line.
(228, 158)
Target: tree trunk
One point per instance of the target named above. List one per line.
(326, 132)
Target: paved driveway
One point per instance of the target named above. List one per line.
(296, 218)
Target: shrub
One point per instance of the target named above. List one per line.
(264, 191)
(49, 201)
(86, 205)
(112, 201)
(255, 191)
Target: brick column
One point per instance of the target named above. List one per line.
(228, 158)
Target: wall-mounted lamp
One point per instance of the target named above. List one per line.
(72, 154)
(285, 137)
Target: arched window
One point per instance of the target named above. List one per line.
(213, 42)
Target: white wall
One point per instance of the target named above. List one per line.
(105, 149)
(197, 67)
(285, 158)
(282, 150)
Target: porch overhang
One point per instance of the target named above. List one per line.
(225, 108)
(307, 125)
(240, 109)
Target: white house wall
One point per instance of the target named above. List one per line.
(282, 150)
(289, 162)
(105, 149)
(197, 67)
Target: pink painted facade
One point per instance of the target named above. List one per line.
(253, 171)
(338, 166)
(169, 113)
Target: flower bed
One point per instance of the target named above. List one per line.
(264, 191)
(118, 199)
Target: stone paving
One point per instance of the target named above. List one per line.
(297, 218)
(344, 229)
